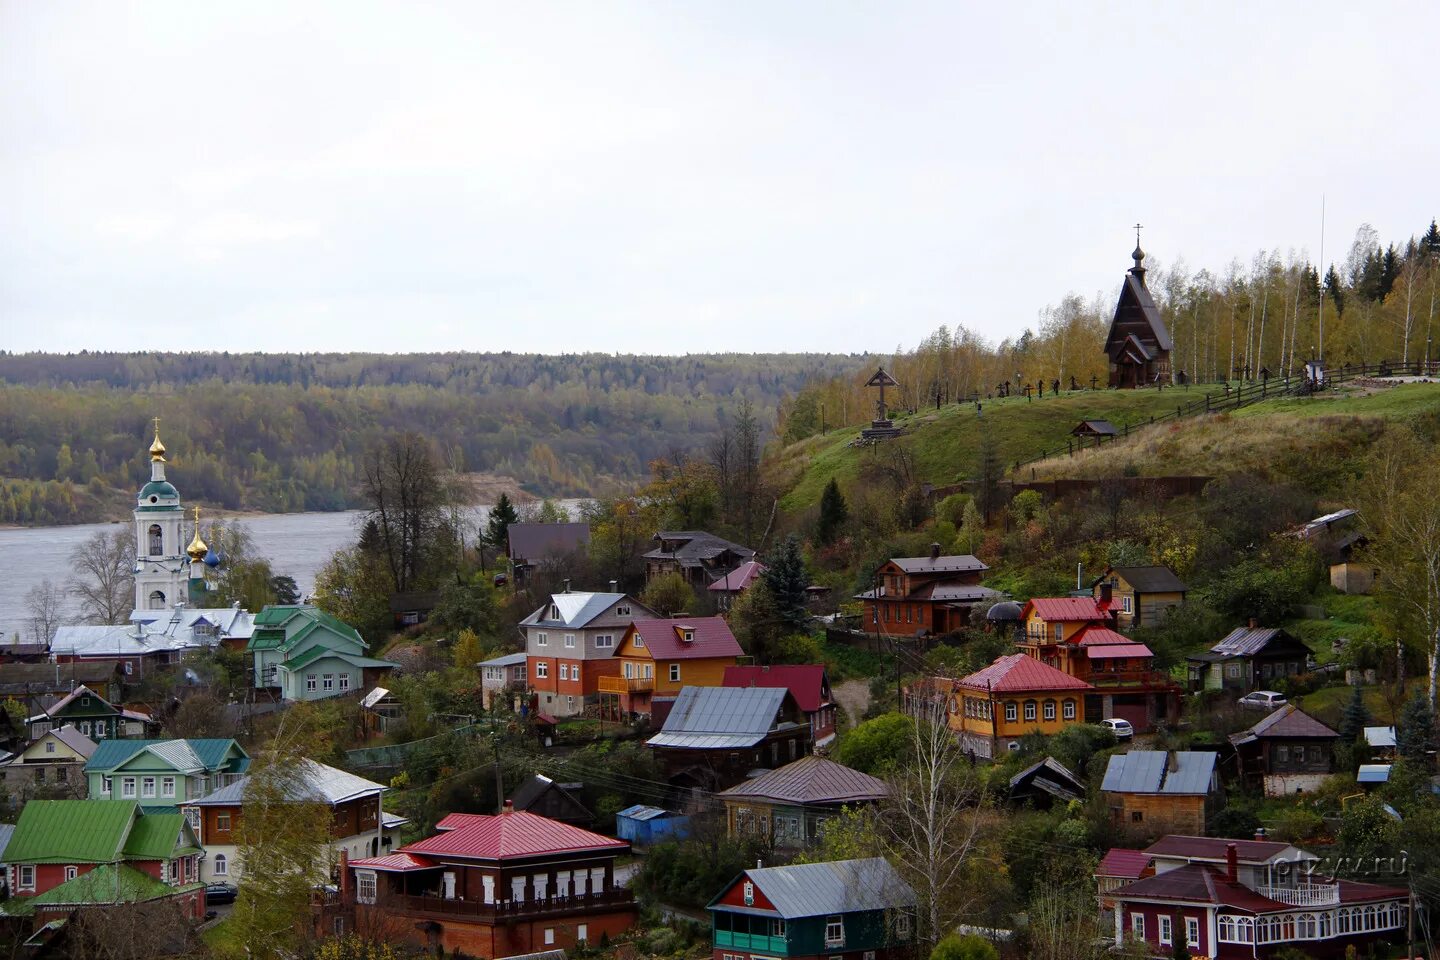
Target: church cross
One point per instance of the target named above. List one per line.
(1138, 228)
(157, 426)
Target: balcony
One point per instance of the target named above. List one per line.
(758, 942)
(480, 912)
(1131, 678)
(1304, 894)
(627, 684)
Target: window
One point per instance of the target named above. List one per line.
(127, 788)
(27, 876)
(1069, 710)
(1137, 925)
(902, 926)
(222, 822)
(570, 640)
(564, 671)
(1165, 933)
(1282, 753)
(49, 746)
(639, 640)
(167, 786)
(834, 931)
(310, 681)
(517, 888)
(147, 786)
(1137, 816)
(777, 928)
(628, 669)
(1192, 932)
(328, 681)
(549, 935)
(1029, 709)
(674, 673)
(1049, 709)
(71, 872)
(85, 727)
(647, 670)
(1305, 926)
(542, 639)
(129, 665)
(542, 670)
(344, 681)
(1232, 671)
(364, 884)
(604, 640)
(749, 893)
(1059, 632)
(39, 774)
(1010, 712)
(569, 701)
(157, 540)
(1125, 604)
(105, 784)
(582, 932)
(622, 611)
(192, 817)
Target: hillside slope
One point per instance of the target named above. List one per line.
(1309, 439)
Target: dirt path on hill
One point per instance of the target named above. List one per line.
(854, 698)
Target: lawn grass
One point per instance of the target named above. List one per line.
(222, 939)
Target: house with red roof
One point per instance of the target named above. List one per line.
(1223, 898)
(991, 709)
(809, 685)
(489, 886)
(737, 581)
(925, 596)
(1077, 635)
(659, 657)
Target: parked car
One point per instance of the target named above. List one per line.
(1263, 700)
(1121, 728)
(220, 893)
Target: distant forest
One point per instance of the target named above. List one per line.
(284, 432)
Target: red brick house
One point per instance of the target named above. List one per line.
(930, 595)
(1249, 898)
(808, 684)
(490, 886)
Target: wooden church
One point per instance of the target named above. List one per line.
(1139, 345)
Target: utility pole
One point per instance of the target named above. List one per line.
(499, 777)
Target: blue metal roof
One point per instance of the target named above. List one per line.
(720, 718)
(1373, 773)
(1148, 771)
(841, 886)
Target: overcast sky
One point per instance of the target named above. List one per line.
(673, 177)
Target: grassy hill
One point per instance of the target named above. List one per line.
(1309, 439)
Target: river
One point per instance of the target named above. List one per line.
(297, 544)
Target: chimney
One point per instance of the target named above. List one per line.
(934, 551)
(1260, 834)
(1172, 761)
(1254, 623)
(1232, 863)
(509, 806)
(567, 587)
(614, 584)
(344, 876)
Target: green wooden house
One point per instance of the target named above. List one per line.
(91, 714)
(306, 654)
(163, 774)
(843, 910)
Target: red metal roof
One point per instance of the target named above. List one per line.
(453, 821)
(805, 681)
(508, 835)
(1117, 651)
(1018, 672)
(394, 863)
(712, 638)
(1121, 862)
(1067, 608)
(1093, 635)
(1213, 848)
(739, 578)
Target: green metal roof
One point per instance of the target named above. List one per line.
(159, 488)
(159, 508)
(109, 883)
(71, 831)
(110, 754)
(275, 627)
(155, 837)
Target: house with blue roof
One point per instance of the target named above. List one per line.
(713, 737)
(1151, 793)
(304, 653)
(163, 773)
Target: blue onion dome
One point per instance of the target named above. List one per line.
(212, 559)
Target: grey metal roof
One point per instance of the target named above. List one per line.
(720, 718)
(1148, 771)
(951, 563)
(1051, 776)
(7, 830)
(1373, 773)
(841, 886)
(641, 812)
(1248, 641)
(1380, 736)
(811, 780)
(319, 781)
(542, 955)
(508, 660)
(575, 609)
(695, 545)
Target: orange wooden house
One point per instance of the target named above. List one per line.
(658, 657)
(1076, 635)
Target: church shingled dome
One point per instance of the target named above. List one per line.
(159, 488)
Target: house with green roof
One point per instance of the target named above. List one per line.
(91, 714)
(304, 653)
(67, 855)
(163, 774)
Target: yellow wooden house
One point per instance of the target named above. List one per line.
(658, 657)
(991, 709)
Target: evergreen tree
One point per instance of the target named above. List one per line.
(1333, 289)
(1354, 717)
(497, 525)
(786, 578)
(1416, 731)
(988, 474)
(1431, 241)
(285, 589)
(833, 513)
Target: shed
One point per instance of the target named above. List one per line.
(1373, 773)
(643, 825)
(1095, 429)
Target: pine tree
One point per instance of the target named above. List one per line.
(1333, 290)
(786, 579)
(497, 525)
(1416, 731)
(834, 513)
(988, 474)
(1354, 717)
(1431, 240)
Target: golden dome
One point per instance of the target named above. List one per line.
(197, 548)
(157, 449)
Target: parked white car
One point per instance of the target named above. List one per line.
(1263, 700)
(1121, 728)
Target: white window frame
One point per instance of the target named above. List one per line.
(365, 886)
(564, 670)
(622, 611)
(570, 641)
(582, 933)
(223, 821)
(71, 872)
(549, 936)
(1049, 709)
(1137, 925)
(835, 930)
(1011, 713)
(902, 926)
(1068, 711)
(128, 788)
(310, 682)
(1030, 711)
(26, 884)
(542, 639)
(1192, 932)
(344, 681)
(674, 673)
(542, 670)
(50, 745)
(147, 788)
(327, 682)
(1125, 604)
(1166, 930)
(605, 640)
(167, 786)
(106, 785)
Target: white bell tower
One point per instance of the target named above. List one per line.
(160, 561)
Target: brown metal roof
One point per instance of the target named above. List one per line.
(1287, 723)
(811, 780)
(1149, 579)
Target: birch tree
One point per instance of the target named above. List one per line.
(104, 580)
